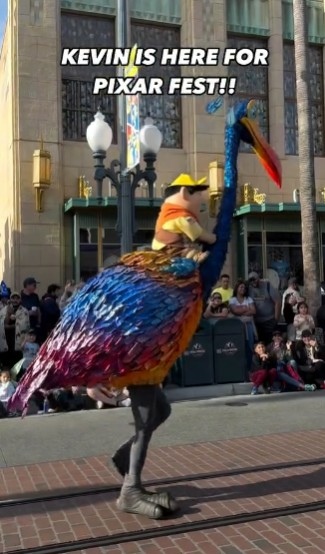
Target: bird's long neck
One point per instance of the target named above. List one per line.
(212, 267)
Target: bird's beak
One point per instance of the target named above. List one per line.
(263, 150)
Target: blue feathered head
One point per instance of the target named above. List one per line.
(242, 117)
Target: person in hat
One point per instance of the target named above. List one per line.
(292, 296)
(30, 300)
(178, 223)
(14, 323)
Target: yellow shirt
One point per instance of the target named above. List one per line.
(226, 294)
(182, 225)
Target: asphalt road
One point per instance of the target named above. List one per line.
(61, 436)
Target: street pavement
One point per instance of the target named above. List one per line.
(52, 454)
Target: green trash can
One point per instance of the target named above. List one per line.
(195, 367)
(229, 346)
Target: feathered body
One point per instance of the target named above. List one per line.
(129, 324)
(126, 326)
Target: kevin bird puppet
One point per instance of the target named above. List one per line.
(128, 325)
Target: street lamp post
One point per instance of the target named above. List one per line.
(99, 137)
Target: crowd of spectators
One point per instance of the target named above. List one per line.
(26, 321)
(284, 344)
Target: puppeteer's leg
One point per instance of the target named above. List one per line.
(121, 458)
(150, 408)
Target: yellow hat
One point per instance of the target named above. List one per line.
(185, 180)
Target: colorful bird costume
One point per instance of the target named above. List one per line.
(129, 324)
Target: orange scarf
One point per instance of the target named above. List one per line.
(172, 211)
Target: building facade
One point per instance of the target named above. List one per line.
(73, 236)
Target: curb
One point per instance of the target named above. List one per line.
(176, 394)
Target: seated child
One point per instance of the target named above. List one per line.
(30, 350)
(263, 371)
(7, 389)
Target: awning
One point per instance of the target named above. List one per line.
(78, 204)
(288, 207)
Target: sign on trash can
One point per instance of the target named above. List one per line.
(195, 366)
(229, 351)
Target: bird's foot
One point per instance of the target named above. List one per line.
(134, 501)
(163, 499)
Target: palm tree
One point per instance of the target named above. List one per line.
(307, 187)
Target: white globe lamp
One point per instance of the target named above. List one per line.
(99, 134)
(150, 137)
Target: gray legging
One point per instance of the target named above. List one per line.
(150, 409)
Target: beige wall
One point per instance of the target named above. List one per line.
(42, 244)
(7, 214)
(40, 241)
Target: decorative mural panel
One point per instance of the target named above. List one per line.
(36, 12)
(316, 21)
(165, 110)
(252, 82)
(208, 17)
(248, 16)
(163, 11)
(290, 99)
(106, 7)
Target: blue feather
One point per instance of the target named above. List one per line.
(213, 106)
(181, 267)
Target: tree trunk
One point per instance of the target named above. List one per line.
(310, 250)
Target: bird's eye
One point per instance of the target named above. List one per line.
(252, 111)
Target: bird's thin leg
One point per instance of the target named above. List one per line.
(121, 458)
(132, 499)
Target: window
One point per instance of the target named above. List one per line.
(78, 103)
(255, 252)
(165, 110)
(284, 258)
(252, 82)
(290, 99)
(89, 251)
